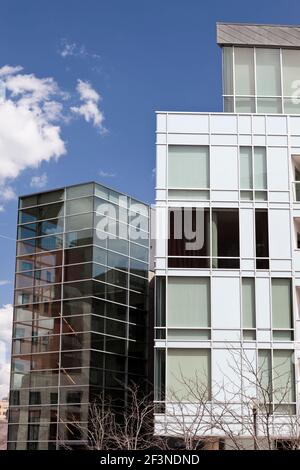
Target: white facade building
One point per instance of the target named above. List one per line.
(228, 313)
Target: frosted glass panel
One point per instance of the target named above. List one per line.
(244, 105)
(185, 368)
(248, 298)
(246, 176)
(269, 105)
(292, 106)
(281, 303)
(260, 168)
(188, 302)
(264, 375)
(188, 335)
(228, 70)
(283, 376)
(268, 72)
(188, 166)
(244, 71)
(291, 71)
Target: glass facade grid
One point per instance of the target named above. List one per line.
(80, 307)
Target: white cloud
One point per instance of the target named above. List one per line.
(106, 174)
(89, 109)
(72, 49)
(6, 316)
(10, 70)
(4, 282)
(30, 131)
(39, 181)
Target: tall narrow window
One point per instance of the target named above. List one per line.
(183, 223)
(246, 173)
(160, 320)
(188, 169)
(260, 173)
(225, 238)
(188, 369)
(227, 71)
(268, 72)
(188, 307)
(253, 173)
(244, 71)
(282, 310)
(248, 306)
(264, 378)
(283, 381)
(262, 239)
(160, 374)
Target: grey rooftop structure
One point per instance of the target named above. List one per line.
(236, 34)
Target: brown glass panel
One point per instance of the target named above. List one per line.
(45, 361)
(78, 271)
(183, 221)
(188, 262)
(78, 255)
(45, 260)
(262, 238)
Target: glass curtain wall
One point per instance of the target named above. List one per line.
(80, 314)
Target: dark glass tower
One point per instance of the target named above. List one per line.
(80, 315)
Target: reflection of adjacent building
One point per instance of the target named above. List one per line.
(3, 409)
(80, 316)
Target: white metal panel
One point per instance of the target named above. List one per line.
(262, 302)
(279, 230)
(245, 140)
(258, 123)
(222, 139)
(161, 232)
(246, 233)
(225, 300)
(277, 164)
(188, 139)
(224, 167)
(161, 122)
(277, 140)
(188, 123)
(161, 166)
(259, 140)
(223, 124)
(226, 374)
(276, 125)
(294, 125)
(244, 123)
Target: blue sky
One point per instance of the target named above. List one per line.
(140, 56)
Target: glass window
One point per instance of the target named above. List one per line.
(118, 244)
(52, 196)
(78, 255)
(160, 301)
(283, 376)
(281, 303)
(248, 298)
(269, 105)
(26, 247)
(262, 237)
(28, 201)
(138, 267)
(268, 81)
(260, 168)
(28, 215)
(138, 283)
(246, 175)
(292, 106)
(188, 166)
(78, 206)
(78, 289)
(115, 260)
(84, 237)
(188, 302)
(264, 374)
(225, 237)
(227, 71)
(139, 252)
(187, 369)
(244, 70)
(119, 278)
(51, 243)
(77, 307)
(80, 191)
(78, 222)
(78, 271)
(27, 231)
(51, 211)
(244, 105)
(101, 191)
(291, 71)
(45, 260)
(51, 226)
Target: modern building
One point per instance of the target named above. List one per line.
(227, 333)
(80, 310)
